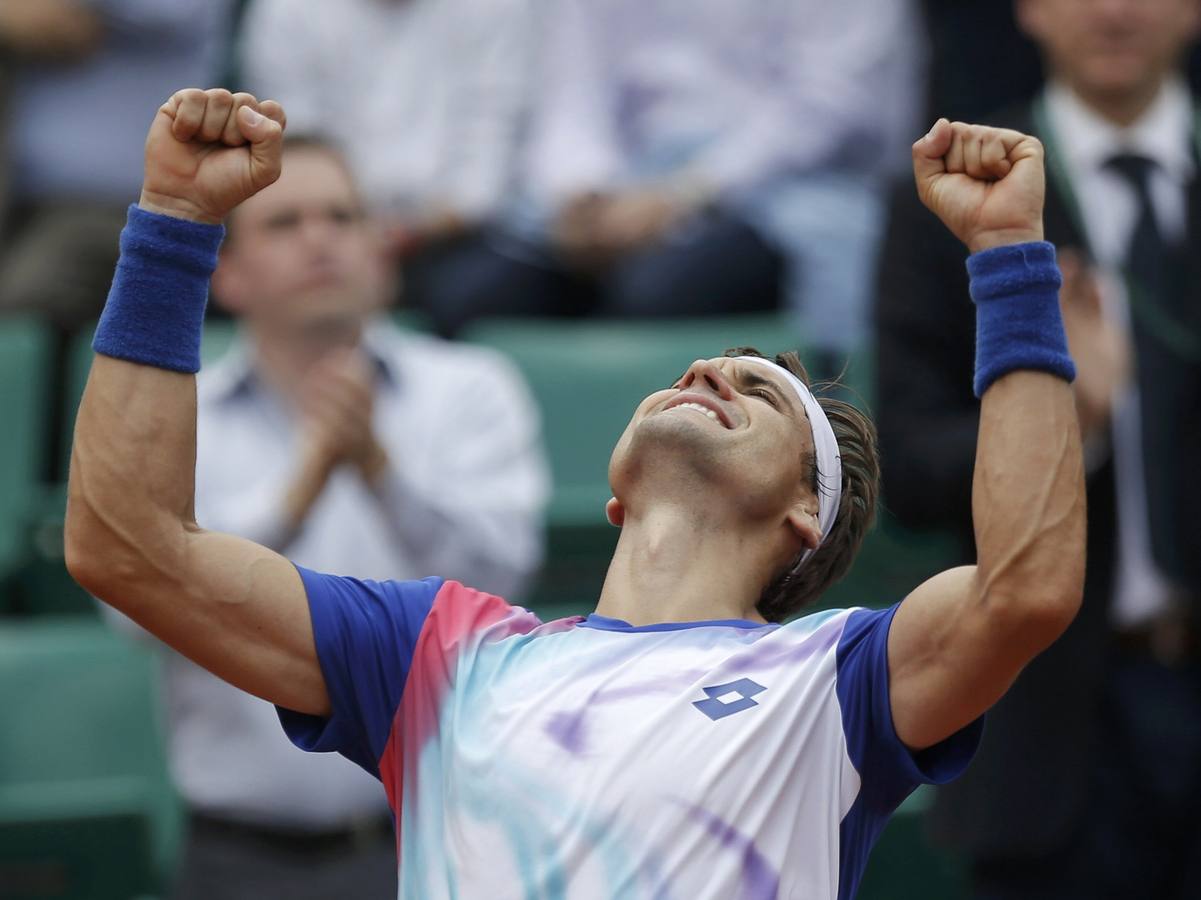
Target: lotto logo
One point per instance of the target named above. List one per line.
(717, 707)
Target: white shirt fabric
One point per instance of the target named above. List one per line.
(737, 93)
(1109, 207)
(465, 494)
(425, 95)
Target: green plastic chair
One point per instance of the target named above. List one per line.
(25, 354)
(86, 804)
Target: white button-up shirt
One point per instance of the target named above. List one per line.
(464, 499)
(425, 94)
(737, 92)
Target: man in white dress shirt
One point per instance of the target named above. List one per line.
(690, 158)
(327, 434)
(431, 90)
(1088, 782)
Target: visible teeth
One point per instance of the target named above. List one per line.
(703, 409)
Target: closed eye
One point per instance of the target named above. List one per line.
(765, 395)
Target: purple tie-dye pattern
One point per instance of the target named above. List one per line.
(567, 729)
(759, 880)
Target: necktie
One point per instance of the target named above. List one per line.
(1153, 277)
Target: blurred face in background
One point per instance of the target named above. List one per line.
(301, 255)
(1111, 50)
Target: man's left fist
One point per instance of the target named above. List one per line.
(986, 184)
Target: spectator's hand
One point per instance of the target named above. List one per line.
(636, 219)
(404, 238)
(337, 401)
(207, 151)
(986, 184)
(595, 229)
(1100, 349)
(67, 29)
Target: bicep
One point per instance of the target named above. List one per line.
(951, 656)
(240, 611)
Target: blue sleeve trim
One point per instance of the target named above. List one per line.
(155, 309)
(366, 633)
(1018, 321)
(888, 770)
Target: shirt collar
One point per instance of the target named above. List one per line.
(1164, 133)
(233, 374)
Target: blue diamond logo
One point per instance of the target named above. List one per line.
(716, 707)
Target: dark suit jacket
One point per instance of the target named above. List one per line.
(1027, 788)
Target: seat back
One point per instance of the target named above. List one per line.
(25, 360)
(85, 798)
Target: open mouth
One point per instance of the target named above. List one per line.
(704, 407)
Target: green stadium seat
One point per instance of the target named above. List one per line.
(86, 804)
(905, 866)
(25, 365)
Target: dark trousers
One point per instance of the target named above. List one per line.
(714, 264)
(232, 862)
(1141, 838)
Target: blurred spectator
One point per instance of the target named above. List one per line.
(83, 75)
(1089, 777)
(981, 62)
(690, 158)
(351, 447)
(425, 95)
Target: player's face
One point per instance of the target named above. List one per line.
(302, 251)
(1111, 47)
(735, 429)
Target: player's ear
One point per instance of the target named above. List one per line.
(615, 512)
(802, 519)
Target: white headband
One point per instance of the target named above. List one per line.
(825, 445)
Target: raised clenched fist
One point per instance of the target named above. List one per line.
(986, 184)
(207, 151)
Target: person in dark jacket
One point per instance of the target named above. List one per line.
(1089, 776)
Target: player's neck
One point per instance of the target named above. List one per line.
(673, 565)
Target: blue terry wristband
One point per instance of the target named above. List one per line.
(1018, 323)
(155, 307)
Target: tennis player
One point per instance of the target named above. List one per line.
(680, 742)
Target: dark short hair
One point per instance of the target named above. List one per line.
(797, 586)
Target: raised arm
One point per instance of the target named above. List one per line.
(959, 641)
(235, 608)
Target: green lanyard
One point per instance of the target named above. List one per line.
(1151, 315)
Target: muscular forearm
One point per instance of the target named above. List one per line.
(1028, 492)
(1028, 485)
(132, 474)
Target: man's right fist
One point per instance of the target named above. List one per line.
(207, 151)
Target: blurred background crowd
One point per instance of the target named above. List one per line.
(500, 224)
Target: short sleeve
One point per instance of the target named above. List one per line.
(366, 633)
(888, 769)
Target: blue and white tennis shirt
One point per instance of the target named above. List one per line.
(588, 758)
